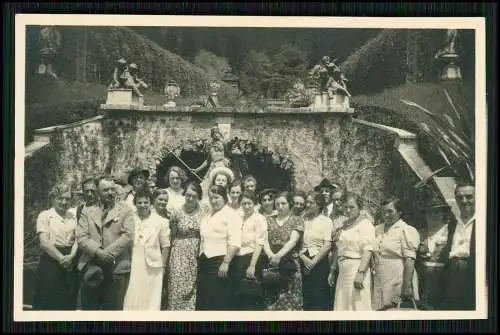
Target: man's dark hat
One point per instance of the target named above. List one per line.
(93, 275)
(136, 172)
(326, 183)
(433, 204)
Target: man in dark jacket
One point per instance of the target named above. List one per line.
(461, 267)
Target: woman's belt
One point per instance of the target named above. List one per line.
(433, 264)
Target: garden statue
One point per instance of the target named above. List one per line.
(336, 81)
(118, 81)
(50, 42)
(319, 74)
(451, 41)
(448, 57)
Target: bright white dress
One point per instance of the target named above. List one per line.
(146, 275)
(350, 245)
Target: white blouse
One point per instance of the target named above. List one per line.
(175, 200)
(254, 233)
(353, 241)
(61, 230)
(316, 232)
(220, 230)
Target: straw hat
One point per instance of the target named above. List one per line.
(221, 170)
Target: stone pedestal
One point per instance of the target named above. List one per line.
(450, 67)
(123, 96)
(320, 101)
(339, 101)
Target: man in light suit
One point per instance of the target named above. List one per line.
(105, 234)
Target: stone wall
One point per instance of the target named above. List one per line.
(320, 145)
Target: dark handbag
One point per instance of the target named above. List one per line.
(271, 276)
(250, 287)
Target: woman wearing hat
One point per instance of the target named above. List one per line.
(137, 179)
(221, 176)
(175, 179)
(57, 280)
(149, 256)
(220, 233)
(316, 244)
(432, 253)
(284, 233)
(185, 223)
(396, 244)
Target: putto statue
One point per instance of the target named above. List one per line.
(127, 76)
(319, 74)
(50, 42)
(336, 81)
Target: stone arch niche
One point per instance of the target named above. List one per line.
(271, 169)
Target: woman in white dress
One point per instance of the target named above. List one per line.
(175, 177)
(354, 247)
(395, 252)
(149, 256)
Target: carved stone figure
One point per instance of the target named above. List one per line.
(336, 81)
(319, 74)
(50, 42)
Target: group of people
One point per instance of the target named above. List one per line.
(139, 247)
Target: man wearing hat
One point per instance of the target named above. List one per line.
(326, 188)
(104, 234)
(431, 255)
(137, 179)
(461, 266)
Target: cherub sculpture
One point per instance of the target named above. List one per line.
(336, 81)
(50, 42)
(319, 74)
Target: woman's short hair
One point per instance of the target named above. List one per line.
(249, 195)
(59, 189)
(180, 171)
(249, 178)
(159, 191)
(319, 199)
(300, 193)
(287, 195)
(393, 200)
(356, 197)
(219, 190)
(143, 192)
(268, 192)
(195, 187)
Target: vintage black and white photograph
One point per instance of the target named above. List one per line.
(167, 165)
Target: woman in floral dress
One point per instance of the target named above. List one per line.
(284, 233)
(184, 252)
